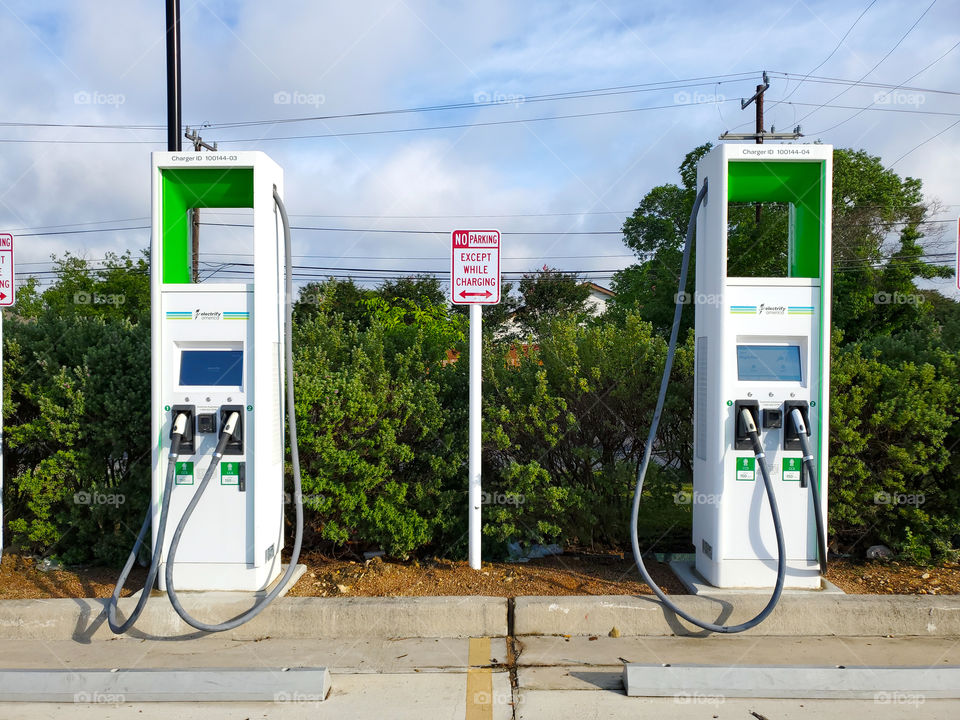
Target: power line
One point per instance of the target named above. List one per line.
(81, 232)
(919, 145)
(889, 53)
(423, 232)
(519, 99)
(862, 110)
(404, 231)
(456, 126)
(832, 52)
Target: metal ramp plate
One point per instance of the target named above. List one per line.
(891, 684)
(122, 685)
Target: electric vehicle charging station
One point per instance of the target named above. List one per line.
(221, 353)
(761, 381)
(217, 349)
(762, 345)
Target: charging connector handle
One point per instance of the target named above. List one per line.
(811, 468)
(648, 450)
(179, 428)
(231, 423)
(218, 453)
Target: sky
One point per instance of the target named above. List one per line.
(84, 104)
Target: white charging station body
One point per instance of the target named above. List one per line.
(763, 340)
(218, 348)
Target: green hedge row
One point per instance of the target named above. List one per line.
(382, 414)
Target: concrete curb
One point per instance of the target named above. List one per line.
(84, 620)
(843, 615)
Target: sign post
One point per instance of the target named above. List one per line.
(6, 300)
(475, 281)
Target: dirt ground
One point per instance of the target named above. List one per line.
(570, 574)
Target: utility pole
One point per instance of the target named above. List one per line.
(173, 76)
(198, 145)
(758, 100)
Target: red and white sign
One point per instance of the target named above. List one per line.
(475, 267)
(6, 270)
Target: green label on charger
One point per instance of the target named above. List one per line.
(746, 468)
(229, 473)
(184, 473)
(791, 469)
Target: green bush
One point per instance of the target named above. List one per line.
(566, 419)
(77, 413)
(382, 408)
(892, 432)
(378, 454)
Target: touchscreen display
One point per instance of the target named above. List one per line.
(211, 367)
(768, 362)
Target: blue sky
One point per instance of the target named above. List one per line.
(102, 63)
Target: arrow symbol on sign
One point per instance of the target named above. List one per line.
(464, 293)
(3, 296)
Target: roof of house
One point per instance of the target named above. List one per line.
(600, 289)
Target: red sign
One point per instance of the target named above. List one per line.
(475, 267)
(6, 270)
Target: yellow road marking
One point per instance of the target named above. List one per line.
(479, 680)
(479, 653)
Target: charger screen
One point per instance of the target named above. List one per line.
(211, 367)
(757, 363)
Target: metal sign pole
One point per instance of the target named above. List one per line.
(7, 298)
(476, 378)
(475, 281)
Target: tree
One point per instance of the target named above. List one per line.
(549, 293)
(331, 297)
(877, 248)
(419, 289)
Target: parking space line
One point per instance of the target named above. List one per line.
(479, 680)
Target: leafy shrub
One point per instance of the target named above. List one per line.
(376, 447)
(77, 413)
(566, 419)
(892, 432)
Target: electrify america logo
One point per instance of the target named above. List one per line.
(207, 314)
(764, 309)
